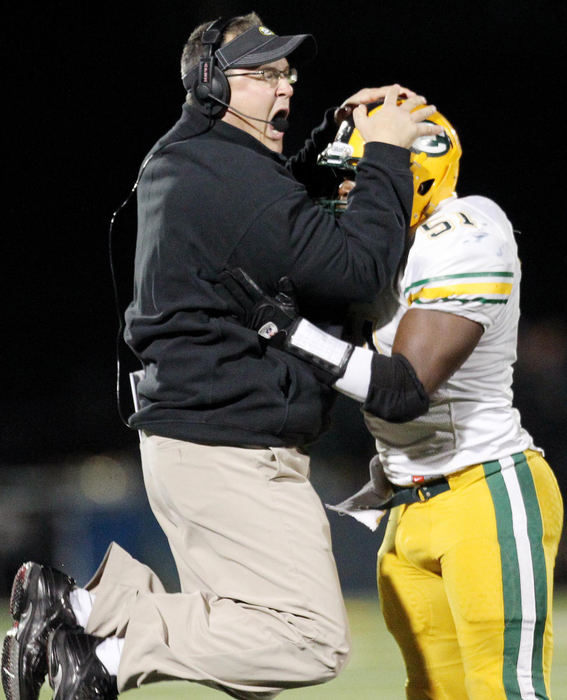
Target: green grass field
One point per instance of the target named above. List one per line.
(375, 670)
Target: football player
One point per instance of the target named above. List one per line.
(465, 571)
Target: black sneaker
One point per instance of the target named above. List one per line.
(75, 671)
(39, 603)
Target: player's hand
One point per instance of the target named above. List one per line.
(276, 319)
(255, 309)
(367, 96)
(397, 124)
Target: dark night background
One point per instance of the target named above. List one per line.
(89, 87)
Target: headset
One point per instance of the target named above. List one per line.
(210, 89)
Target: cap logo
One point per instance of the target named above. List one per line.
(265, 31)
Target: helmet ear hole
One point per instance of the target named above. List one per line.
(425, 186)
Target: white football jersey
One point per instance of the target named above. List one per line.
(463, 261)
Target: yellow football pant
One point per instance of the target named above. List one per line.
(466, 582)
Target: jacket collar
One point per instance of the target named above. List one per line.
(194, 123)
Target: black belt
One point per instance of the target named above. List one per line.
(416, 494)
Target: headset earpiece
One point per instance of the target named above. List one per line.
(211, 84)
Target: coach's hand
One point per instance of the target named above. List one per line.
(367, 96)
(255, 309)
(397, 123)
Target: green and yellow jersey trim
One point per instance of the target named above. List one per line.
(492, 288)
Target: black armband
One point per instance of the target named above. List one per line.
(395, 393)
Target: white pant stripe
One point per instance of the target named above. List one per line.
(527, 583)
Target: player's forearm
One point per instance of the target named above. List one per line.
(387, 386)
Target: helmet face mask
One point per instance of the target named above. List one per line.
(434, 162)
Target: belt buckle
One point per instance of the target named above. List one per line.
(421, 493)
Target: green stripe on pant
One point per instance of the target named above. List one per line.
(520, 533)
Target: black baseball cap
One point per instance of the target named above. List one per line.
(260, 45)
(256, 46)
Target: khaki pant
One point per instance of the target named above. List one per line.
(260, 608)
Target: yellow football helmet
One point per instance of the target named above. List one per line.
(434, 162)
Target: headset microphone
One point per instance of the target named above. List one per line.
(278, 123)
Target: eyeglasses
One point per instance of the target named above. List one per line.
(270, 75)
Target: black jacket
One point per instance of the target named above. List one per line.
(215, 198)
